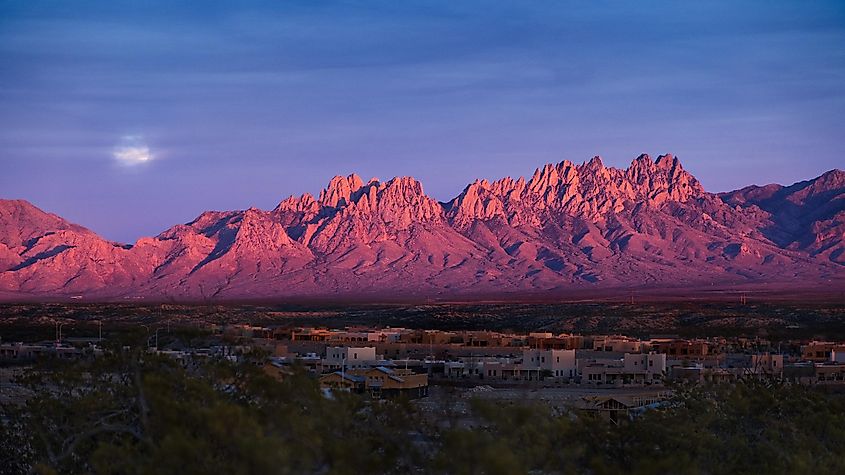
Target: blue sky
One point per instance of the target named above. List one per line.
(128, 117)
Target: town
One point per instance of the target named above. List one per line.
(620, 372)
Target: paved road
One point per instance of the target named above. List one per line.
(564, 394)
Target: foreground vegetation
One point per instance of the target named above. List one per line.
(131, 412)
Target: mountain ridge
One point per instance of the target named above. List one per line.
(568, 227)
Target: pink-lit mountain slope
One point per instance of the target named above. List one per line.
(567, 228)
(808, 216)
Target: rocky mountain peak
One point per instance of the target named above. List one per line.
(20, 221)
(595, 163)
(401, 199)
(340, 190)
(305, 203)
(667, 161)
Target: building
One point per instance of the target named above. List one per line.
(616, 408)
(533, 366)
(379, 382)
(27, 352)
(539, 364)
(682, 349)
(820, 351)
(308, 334)
(350, 357)
(547, 341)
(830, 372)
(632, 368)
(617, 343)
(767, 364)
(644, 367)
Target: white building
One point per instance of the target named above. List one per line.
(350, 357)
(561, 363)
(652, 366)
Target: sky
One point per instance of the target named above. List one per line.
(130, 117)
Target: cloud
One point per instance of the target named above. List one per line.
(132, 151)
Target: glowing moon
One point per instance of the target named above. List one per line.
(132, 152)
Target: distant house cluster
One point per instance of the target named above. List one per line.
(360, 354)
(400, 362)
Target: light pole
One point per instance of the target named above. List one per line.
(59, 332)
(147, 327)
(157, 329)
(342, 374)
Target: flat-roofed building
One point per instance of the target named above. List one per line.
(617, 343)
(820, 351)
(644, 367)
(680, 348)
(548, 363)
(350, 357)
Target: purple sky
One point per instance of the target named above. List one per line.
(128, 119)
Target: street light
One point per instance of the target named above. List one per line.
(59, 332)
(147, 327)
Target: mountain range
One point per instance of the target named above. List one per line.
(569, 228)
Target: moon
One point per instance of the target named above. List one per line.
(132, 151)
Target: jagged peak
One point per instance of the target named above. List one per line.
(302, 204)
(595, 163)
(405, 186)
(252, 212)
(548, 177)
(340, 189)
(668, 161)
(643, 159)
